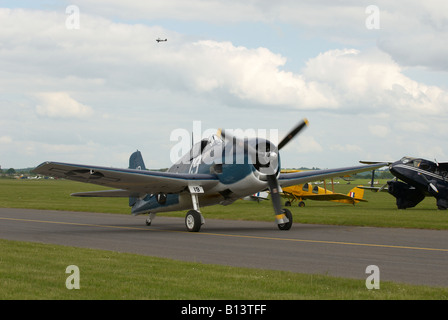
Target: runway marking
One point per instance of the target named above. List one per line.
(232, 235)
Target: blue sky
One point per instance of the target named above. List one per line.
(96, 94)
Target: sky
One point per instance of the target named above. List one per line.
(86, 82)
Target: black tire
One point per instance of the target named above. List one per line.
(193, 221)
(301, 204)
(288, 225)
(287, 203)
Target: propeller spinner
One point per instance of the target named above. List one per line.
(267, 162)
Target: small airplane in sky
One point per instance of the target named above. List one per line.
(217, 170)
(420, 178)
(161, 40)
(307, 191)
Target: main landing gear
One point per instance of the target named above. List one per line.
(287, 225)
(194, 219)
(150, 218)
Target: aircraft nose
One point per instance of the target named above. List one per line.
(396, 169)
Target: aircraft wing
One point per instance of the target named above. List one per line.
(131, 182)
(375, 189)
(290, 179)
(330, 196)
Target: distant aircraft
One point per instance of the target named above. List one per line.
(262, 195)
(159, 40)
(217, 170)
(420, 178)
(307, 191)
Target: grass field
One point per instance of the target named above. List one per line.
(37, 271)
(379, 211)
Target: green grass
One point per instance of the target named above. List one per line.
(37, 271)
(379, 211)
(55, 195)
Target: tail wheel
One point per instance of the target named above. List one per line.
(301, 204)
(287, 225)
(193, 221)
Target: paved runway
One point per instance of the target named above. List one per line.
(402, 255)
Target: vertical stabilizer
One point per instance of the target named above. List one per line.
(136, 162)
(356, 192)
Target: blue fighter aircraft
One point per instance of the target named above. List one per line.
(217, 170)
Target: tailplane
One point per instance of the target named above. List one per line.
(356, 192)
(136, 162)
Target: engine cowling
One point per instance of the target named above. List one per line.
(407, 197)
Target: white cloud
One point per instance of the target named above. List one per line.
(61, 105)
(379, 130)
(413, 126)
(251, 75)
(5, 139)
(204, 10)
(416, 26)
(305, 144)
(349, 148)
(372, 81)
(106, 55)
(117, 72)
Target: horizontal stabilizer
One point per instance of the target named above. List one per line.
(120, 193)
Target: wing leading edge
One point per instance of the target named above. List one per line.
(130, 182)
(290, 179)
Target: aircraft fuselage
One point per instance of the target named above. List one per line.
(421, 178)
(238, 175)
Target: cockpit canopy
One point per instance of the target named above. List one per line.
(419, 163)
(425, 165)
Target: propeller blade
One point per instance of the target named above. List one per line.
(433, 187)
(293, 133)
(228, 136)
(276, 199)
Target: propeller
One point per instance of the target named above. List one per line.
(272, 178)
(431, 185)
(293, 133)
(267, 162)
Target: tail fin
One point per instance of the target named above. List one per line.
(136, 162)
(356, 193)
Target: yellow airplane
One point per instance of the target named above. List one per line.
(307, 191)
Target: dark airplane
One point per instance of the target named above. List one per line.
(158, 39)
(217, 170)
(420, 178)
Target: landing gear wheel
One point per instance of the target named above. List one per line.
(287, 225)
(148, 221)
(287, 203)
(193, 221)
(301, 204)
